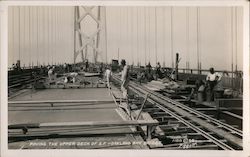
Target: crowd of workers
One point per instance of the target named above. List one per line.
(208, 87)
(146, 74)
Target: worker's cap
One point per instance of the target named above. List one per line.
(123, 62)
(211, 69)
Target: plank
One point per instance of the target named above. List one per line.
(59, 101)
(85, 124)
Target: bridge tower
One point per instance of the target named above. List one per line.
(90, 33)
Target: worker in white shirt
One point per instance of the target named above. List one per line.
(50, 73)
(108, 74)
(212, 79)
(73, 75)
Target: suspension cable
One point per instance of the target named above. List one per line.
(19, 19)
(131, 41)
(30, 30)
(236, 36)
(149, 35)
(187, 37)
(145, 37)
(156, 35)
(137, 34)
(172, 40)
(198, 44)
(232, 40)
(164, 38)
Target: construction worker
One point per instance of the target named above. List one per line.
(86, 65)
(108, 74)
(73, 75)
(50, 73)
(124, 79)
(149, 67)
(212, 79)
(158, 70)
(65, 68)
(149, 74)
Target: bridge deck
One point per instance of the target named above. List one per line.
(43, 113)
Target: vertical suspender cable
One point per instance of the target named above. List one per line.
(137, 38)
(171, 30)
(164, 38)
(232, 43)
(25, 32)
(156, 35)
(127, 37)
(236, 37)
(145, 37)
(131, 41)
(74, 9)
(51, 35)
(56, 48)
(19, 32)
(37, 36)
(29, 37)
(149, 35)
(48, 31)
(56, 33)
(197, 33)
(61, 35)
(24, 37)
(187, 37)
(106, 37)
(120, 34)
(43, 52)
(13, 34)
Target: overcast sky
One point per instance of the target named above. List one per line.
(45, 35)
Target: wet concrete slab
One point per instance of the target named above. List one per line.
(84, 112)
(66, 94)
(69, 113)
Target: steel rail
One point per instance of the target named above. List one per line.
(196, 128)
(189, 124)
(177, 108)
(212, 120)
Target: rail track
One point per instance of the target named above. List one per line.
(21, 80)
(185, 127)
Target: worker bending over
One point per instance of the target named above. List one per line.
(212, 80)
(71, 77)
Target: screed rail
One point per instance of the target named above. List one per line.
(26, 127)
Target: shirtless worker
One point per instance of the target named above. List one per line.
(124, 86)
(124, 79)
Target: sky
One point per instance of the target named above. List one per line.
(211, 36)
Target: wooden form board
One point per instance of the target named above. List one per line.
(86, 124)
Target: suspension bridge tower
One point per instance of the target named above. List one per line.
(90, 39)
